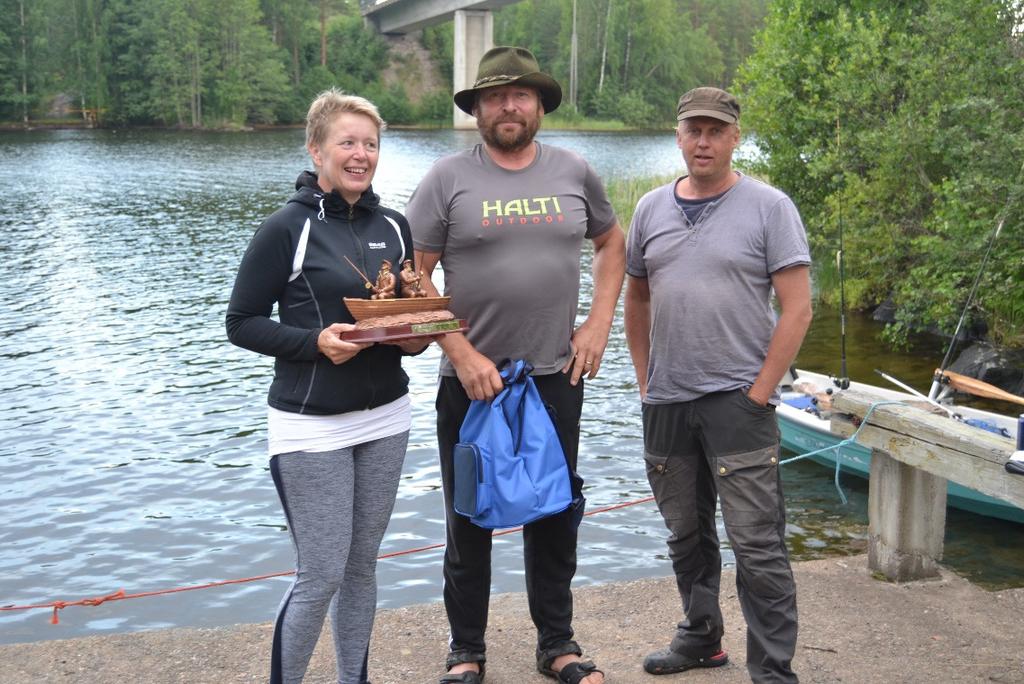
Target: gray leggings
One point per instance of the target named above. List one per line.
(337, 504)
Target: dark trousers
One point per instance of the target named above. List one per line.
(724, 445)
(549, 545)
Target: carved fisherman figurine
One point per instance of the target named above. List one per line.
(411, 281)
(385, 288)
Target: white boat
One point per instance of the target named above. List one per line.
(804, 424)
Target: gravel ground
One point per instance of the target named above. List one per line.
(853, 628)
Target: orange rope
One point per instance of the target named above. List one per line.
(119, 595)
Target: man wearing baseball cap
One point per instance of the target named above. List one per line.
(507, 220)
(704, 254)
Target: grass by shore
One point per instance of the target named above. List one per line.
(624, 193)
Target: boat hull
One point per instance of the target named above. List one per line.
(374, 308)
(803, 432)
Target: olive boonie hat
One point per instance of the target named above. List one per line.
(507, 65)
(713, 102)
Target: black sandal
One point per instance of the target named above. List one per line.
(573, 673)
(469, 677)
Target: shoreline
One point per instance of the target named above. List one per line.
(852, 628)
(14, 127)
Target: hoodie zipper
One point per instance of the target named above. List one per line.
(362, 260)
(368, 376)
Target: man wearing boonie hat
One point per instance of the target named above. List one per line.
(704, 254)
(506, 220)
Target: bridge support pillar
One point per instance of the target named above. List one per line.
(474, 35)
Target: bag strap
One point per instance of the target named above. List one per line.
(515, 371)
(515, 375)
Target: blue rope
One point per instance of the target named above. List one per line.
(845, 442)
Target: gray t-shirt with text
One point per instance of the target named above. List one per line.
(510, 244)
(710, 284)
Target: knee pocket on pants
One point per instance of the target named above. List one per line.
(764, 570)
(748, 487)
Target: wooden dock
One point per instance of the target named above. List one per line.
(914, 453)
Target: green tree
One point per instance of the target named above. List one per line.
(88, 81)
(327, 9)
(10, 34)
(392, 103)
(22, 57)
(904, 121)
(168, 39)
(731, 26)
(356, 54)
(290, 25)
(435, 108)
(439, 41)
(127, 83)
(634, 56)
(245, 76)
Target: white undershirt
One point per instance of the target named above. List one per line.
(287, 432)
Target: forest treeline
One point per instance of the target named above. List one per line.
(225, 63)
(901, 121)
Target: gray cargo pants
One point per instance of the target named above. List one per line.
(726, 445)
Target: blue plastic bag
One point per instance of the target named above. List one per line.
(509, 465)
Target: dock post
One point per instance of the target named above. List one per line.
(907, 519)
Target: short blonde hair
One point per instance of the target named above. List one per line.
(329, 104)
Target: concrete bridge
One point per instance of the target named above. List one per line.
(474, 32)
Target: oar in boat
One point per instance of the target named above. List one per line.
(979, 388)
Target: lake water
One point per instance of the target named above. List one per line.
(133, 448)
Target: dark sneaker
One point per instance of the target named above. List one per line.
(667, 661)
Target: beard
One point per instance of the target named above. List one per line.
(508, 142)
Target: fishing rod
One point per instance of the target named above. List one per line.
(913, 391)
(843, 381)
(368, 285)
(937, 383)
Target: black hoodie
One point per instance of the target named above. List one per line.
(296, 259)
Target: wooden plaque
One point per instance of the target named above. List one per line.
(406, 331)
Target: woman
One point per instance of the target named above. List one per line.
(339, 415)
